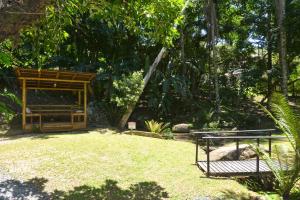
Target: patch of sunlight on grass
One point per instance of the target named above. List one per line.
(70, 160)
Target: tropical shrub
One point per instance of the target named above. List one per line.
(127, 89)
(6, 58)
(5, 110)
(288, 174)
(6, 61)
(168, 134)
(157, 127)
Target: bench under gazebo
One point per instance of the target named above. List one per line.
(74, 115)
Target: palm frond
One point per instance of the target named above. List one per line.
(156, 127)
(286, 173)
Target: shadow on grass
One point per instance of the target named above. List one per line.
(21, 134)
(35, 189)
(15, 189)
(233, 195)
(13, 134)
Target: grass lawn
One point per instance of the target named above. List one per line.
(93, 165)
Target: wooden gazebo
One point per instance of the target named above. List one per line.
(34, 116)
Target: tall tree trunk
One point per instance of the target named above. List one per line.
(280, 10)
(212, 40)
(269, 55)
(182, 53)
(209, 75)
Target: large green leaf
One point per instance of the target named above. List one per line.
(5, 59)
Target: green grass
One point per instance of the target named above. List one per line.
(86, 165)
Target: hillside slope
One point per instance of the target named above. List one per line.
(16, 14)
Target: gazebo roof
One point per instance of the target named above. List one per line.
(54, 79)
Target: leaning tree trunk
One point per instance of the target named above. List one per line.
(280, 10)
(152, 68)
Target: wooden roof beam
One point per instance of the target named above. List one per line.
(53, 79)
(55, 89)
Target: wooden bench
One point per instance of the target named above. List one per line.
(32, 115)
(74, 111)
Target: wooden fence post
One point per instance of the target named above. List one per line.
(85, 102)
(197, 144)
(207, 154)
(270, 144)
(24, 104)
(257, 158)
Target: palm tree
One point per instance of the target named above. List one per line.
(288, 173)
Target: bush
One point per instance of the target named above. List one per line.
(157, 127)
(5, 111)
(168, 134)
(127, 89)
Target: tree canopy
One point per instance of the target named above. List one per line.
(120, 39)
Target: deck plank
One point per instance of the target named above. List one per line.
(237, 167)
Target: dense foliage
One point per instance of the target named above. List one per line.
(6, 61)
(127, 89)
(120, 39)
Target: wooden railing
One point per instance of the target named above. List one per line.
(200, 134)
(267, 135)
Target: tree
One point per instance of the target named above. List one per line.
(147, 77)
(185, 57)
(269, 51)
(280, 13)
(212, 42)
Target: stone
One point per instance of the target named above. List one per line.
(211, 148)
(181, 128)
(230, 153)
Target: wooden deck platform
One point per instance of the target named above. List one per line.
(235, 168)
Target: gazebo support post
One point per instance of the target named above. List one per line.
(24, 104)
(79, 98)
(85, 102)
